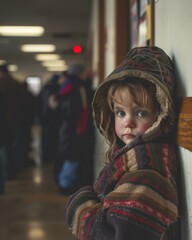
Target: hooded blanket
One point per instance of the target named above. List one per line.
(134, 196)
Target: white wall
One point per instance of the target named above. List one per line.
(95, 44)
(173, 34)
(109, 65)
(109, 21)
(110, 36)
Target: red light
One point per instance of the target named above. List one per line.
(77, 49)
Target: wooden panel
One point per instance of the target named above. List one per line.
(101, 40)
(122, 30)
(152, 16)
(184, 127)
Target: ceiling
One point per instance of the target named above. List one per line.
(66, 23)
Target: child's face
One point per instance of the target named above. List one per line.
(131, 120)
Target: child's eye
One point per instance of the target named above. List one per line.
(142, 113)
(120, 113)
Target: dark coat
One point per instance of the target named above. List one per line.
(70, 106)
(46, 114)
(2, 120)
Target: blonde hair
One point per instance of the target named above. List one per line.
(143, 93)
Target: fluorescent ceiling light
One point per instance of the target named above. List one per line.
(2, 62)
(21, 31)
(12, 68)
(57, 69)
(58, 63)
(38, 48)
(47, 57)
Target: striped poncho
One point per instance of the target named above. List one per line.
(135, 195)
(136, 192)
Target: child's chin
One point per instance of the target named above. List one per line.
(129, 141)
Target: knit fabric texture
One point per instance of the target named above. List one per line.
(135, 194)
(138, 188)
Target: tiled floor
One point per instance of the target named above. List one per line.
(32, 208)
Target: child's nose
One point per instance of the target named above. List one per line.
(129, 123)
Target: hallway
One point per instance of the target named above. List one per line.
(31, 207)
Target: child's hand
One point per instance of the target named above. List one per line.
(105, 182)
(83, 195)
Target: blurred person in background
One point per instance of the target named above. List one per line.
(48, 116)
(27, 114)
(74, 116)
(11, 91)
(87, 168)
(2, 144)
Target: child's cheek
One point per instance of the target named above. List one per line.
(143, 128)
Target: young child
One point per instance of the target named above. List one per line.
(135, 194)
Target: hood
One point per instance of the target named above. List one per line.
(151, 64)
